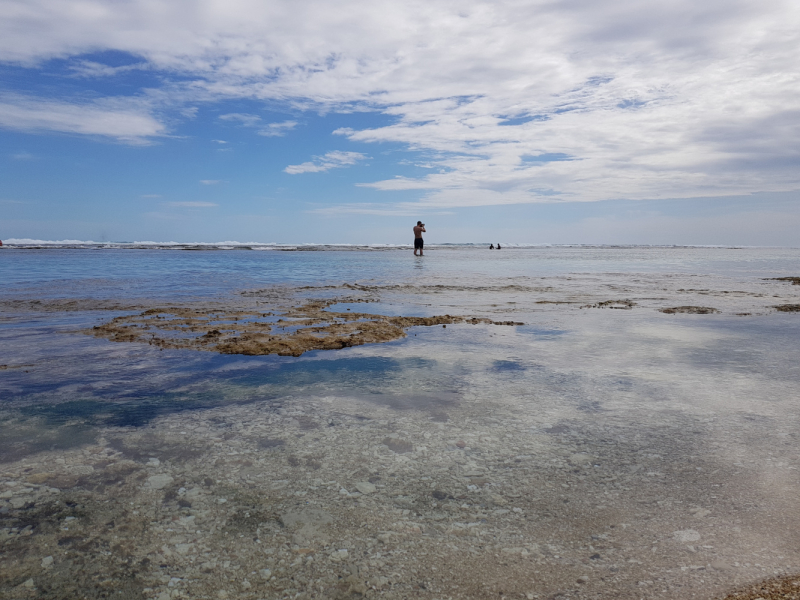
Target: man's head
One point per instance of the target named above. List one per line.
(419, 223)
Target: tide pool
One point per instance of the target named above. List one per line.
(595, 448)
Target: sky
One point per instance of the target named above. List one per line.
(560, 121)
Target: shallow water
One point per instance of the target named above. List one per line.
(601, 450)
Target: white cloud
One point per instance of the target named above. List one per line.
(23, 155)
(107, 119)
(192, 204)
(268, 130)
(400, 209)
(277, 129)
(210, 181)
(92, 69)
(245, 119)
(331, 160)
(151, 195)
(671, 99)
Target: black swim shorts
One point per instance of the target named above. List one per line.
(418, 243)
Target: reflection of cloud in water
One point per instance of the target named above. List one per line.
(615, 452)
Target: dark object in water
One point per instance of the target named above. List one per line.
(794, 280)
(787, 307)
(689, 310)
(557, 429)
(621, 304)
(398, 446)
(269, 443)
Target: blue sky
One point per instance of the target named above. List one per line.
(529, 122)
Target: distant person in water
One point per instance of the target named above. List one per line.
(491, 246)
(498, 246)
(419, 229)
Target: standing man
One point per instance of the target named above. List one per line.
(419, 229)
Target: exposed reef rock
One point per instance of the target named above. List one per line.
(289, 332)
(787, 308)
(620, 304)
(689, 310)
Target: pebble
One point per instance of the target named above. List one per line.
(159, 482)
(580, 458)
(498, 500)
(686, 535)
(398, 445)
(47, 561)
(365, 487)
(339, 555)
(720, 565)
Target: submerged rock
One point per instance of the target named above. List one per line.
(159, 482)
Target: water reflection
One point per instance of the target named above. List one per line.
(589, 453)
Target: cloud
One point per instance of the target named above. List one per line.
(400, 209)
(277, 129)
(331, 160)
(192, 204)
(92, 69)
(23, 155)
(245, 119)
(675, 99)
(107, 119)
(210, 181)
(268, 130)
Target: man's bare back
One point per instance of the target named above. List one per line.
(419, 229)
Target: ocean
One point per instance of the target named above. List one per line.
(242, 420)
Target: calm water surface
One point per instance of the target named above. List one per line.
(601, 449)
